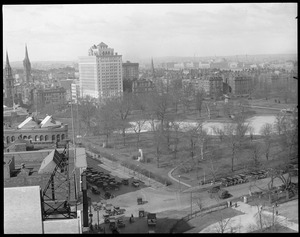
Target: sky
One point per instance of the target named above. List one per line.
(140, 31)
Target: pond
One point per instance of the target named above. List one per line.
(255, 122)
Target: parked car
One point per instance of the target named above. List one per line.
(95, 190)
(107, 195)
(120, 223)
(106, 218)
(135, 183)
(125, 181)
(214, 189)
(223, 194)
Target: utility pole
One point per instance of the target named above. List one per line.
(191, 202)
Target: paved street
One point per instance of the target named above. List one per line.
(161, 199)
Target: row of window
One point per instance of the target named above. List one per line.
(57, 138)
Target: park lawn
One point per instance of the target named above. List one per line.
(190, 174)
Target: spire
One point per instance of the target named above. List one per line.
(152, 66)
(27, 66)
(7, 61)
(8, 72)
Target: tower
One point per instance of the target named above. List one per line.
(152, 67)
(100, 73)
(27, 67)
(9, 84)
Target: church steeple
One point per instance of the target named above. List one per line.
(8, 73)
(152, 67)
(27, 66)
(9, 84)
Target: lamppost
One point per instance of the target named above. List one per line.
(97, 208)
(179, 184)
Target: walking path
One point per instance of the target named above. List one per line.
(249, 221)
(179, 181)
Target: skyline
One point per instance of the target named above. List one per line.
(139, 31)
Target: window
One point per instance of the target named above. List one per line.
(7, 140)
(53, 137)
(36, 138)
(12, 139)
(46, 138)
(58, 137)
(62, 136)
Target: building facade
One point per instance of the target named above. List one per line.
(100, 73)
(130, 71)
(142, 86)
(239, 84)
(55, 96)
(47, 131)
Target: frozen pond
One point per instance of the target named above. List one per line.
(255, 122)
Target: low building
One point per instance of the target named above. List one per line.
(27, 210)
(55, 96)
(142, 86)
(130, 71)
(239, 84)
(40, 133)
(212, 85)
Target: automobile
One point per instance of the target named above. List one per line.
(235, 179)
(135, 183)
(151, 219)
(99, 184)
(125, 181)
(223, 194)
(120, 223)
(230, 181)
(95, 190)
(242, 178)
(254, 174)
(112, 223)
(107, 195)
(106, 218)
(100, 172)
(214, 189)
(224, 182)
(118, 183)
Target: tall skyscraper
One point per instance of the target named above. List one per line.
(27, 67)
(9, 84)
(100, 73)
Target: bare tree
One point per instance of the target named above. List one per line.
(267, 131)
(213, 158)
(107, 119)
(159, 141)
(87, 111)
(232, 141)
(255, 155)
(287, 129)
(222, 224)
(137, 127)
(175, 125)
(123, 106)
